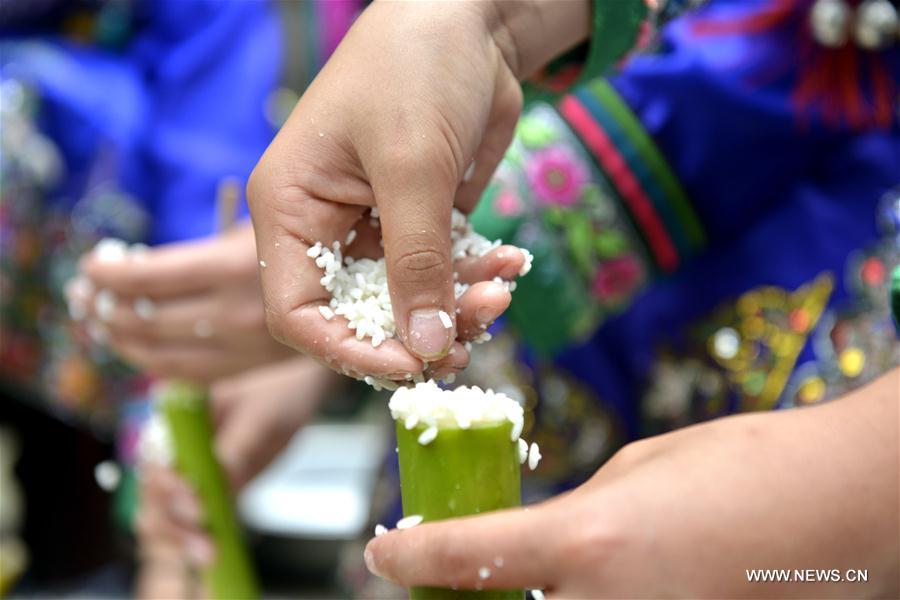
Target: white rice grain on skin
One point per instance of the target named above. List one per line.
(105, 304)
(445, 320)
(409, 522)
(326, 313)
(263, 264)
(470, 171)
(537, 594)
(110, 250)
(380, 530)
(484, 573)
(526, 266)
(203, 328)
(144, 308)
(534, 456)
(428, 436)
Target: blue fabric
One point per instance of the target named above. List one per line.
(781, 201)
(177, 109)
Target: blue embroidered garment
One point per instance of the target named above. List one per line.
(731, 243)
(165, 116)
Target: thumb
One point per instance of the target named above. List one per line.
(508, 549)
(415, 198)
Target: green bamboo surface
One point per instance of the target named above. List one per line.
(186, 411)
(462, 472)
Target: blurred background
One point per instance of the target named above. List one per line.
(128, 129)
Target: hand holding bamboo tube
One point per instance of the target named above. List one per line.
(186, 412)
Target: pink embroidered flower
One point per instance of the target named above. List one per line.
(557, 176)
(507, 204)
(617, 278)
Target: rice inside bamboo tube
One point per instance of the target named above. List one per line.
(459, 455)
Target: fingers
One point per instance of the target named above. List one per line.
(480, 306)
(201, 319)
(505, 110)
(170, 516)
(503, 550)
(415, 203)
(455, 361)
(199, 363)
(173, 269)
(504, 262)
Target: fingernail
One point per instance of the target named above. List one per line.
(186, 508)
(370, 563)
(486, 315)
(199, 550)
(428, 337)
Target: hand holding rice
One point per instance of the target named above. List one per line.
(360, 296)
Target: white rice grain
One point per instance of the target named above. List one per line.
(409, 522)
(380, 530)
(445, 320)
(523, 451)
(144, 308)
(428, 436)
(110, 250)
(534, 456)
(105, 304)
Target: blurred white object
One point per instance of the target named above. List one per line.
(321, 486)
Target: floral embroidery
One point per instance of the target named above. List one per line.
(548, 196)
(745, 356)
(615, 280)
(507, 203)
(557, 176)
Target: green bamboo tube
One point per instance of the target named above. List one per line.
(461, 472)
(184, 405)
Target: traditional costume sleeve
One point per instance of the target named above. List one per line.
(714, 227)
(619, 28)
(624, 180)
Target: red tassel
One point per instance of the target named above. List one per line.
(828, 78)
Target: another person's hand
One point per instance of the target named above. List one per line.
(411, 115)
(191, 309)
(255, 415)
(687, 514)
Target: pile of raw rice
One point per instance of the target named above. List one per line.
(359, 290)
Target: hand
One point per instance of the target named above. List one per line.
(685, 514)
(255, 415)
(191, 309)
(415, 96)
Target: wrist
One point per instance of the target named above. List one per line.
(531, 33)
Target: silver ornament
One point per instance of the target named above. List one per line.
(830, 22)
(875, 25)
